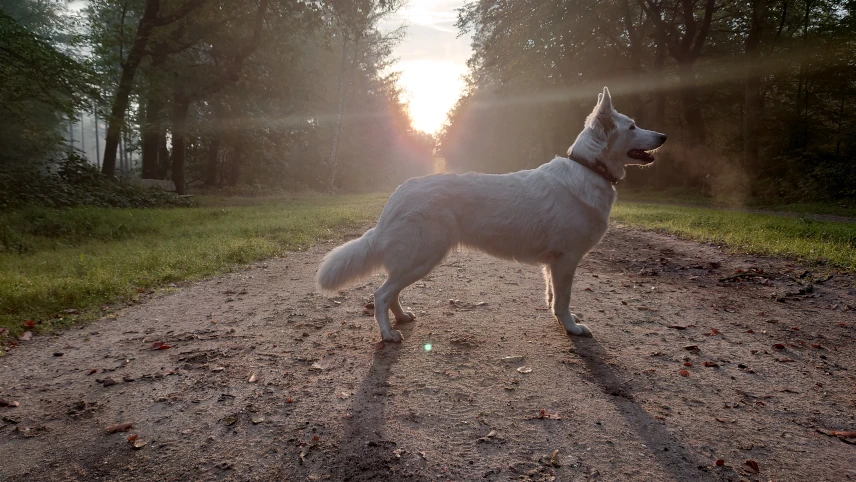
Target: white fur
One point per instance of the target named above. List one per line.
(552, 216)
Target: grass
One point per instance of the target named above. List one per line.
(81, 258)
(693, 197)
(795, 237)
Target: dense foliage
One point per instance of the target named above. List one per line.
(270, 94)
(758, 97)
(74, 181)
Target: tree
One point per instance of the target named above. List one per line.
(150, 19)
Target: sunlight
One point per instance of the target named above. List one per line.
(431, 89)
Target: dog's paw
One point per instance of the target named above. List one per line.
(394, 336)
(408, 317)
(579, 330)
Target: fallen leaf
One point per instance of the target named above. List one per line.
(9, 403)
(678, 327)
(784, 360)
(94, 370)
(138, 444)
(684, 373)
(795, 328)
(688, 364)
(26, 336)
(711, 364)
(289, 400)
(843, 325)
(691, 347)
(720, 420)
(750, 331)
(779, 346)
(753, 465)
(252, 378)
(369, 306)
(29, 323)
(524, 370)
(543, 414)
(554, 459)
(159, 345)
(843, 433)
(714, 331)
(815, 345)
(720, 462)
(513, 359)
(120, 427)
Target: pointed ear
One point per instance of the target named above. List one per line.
(606, 103)
(603, 113)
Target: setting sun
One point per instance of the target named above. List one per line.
(431, 89)
(432, 60)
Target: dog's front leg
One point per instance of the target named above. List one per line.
(549, 290)
(562, 276)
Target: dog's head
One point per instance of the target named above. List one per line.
(614, 140)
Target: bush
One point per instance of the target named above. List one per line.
(74, 182)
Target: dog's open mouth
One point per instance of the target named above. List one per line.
(645, 156)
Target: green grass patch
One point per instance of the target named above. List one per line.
(795, 237)
(83, 257)
(694, 197)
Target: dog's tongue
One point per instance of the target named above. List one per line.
(641, 155)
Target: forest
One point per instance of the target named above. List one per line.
(758, 97)
(247, 94)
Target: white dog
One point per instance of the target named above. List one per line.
(552, 215)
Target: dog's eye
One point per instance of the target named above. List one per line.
(632, 127)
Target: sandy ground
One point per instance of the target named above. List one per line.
(697, 357)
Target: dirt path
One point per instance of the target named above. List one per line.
(324, 404)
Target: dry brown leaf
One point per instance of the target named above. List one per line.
(753, 466)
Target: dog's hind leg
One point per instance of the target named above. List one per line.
(407, 263)
(401, 316)
(562, 275)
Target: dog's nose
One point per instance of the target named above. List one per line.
(662, 138)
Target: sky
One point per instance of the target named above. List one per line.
(432, 59)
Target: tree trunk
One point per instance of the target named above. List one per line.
(693, 115)
(151, 130)
(180, 108)
(234, 173)
(163, 153)
(340, 114)
(126, 83)
(213, 156)
(660, 94)
(754, 100)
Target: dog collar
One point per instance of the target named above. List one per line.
(598, 168)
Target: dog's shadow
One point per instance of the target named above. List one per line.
(669, 451)
(366, 453)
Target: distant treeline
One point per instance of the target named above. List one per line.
(758, 97)
(266, 93)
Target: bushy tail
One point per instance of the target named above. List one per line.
(351, 261)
